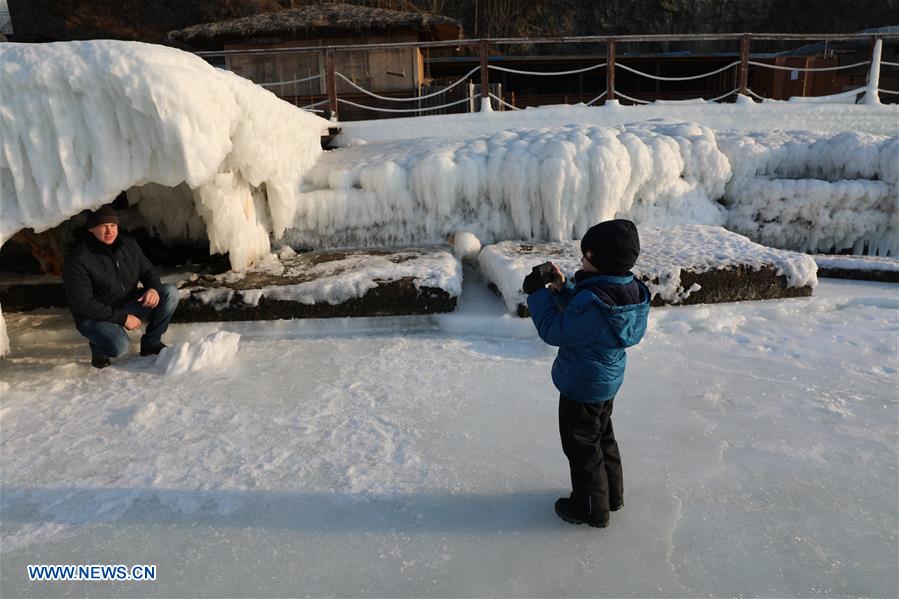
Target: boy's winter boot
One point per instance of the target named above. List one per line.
(579, 512)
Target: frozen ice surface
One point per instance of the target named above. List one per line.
(418, 456)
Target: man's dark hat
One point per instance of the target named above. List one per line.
(103, 216)
(612, 246)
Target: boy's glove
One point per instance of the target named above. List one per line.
(532, 283)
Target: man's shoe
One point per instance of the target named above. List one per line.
(152, 349)
(568, 510)
(614, 507)
(99, 360)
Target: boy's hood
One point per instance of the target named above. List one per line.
(627, 323)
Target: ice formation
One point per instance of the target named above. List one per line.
(808, 193)
(793, 190)
(551, 183)
(213, 351)
(665, 252)
(4, 338)
(83, 121)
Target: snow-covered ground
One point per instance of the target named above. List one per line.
(418, 456)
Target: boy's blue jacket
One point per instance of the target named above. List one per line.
(591, 335)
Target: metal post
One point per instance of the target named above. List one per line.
(485, 78)
(610, 70)
(744, 64)
(871, 95)
(332, 83)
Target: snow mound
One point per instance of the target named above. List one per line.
(83, 121)
(214, 351)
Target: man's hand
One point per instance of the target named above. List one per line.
(150, 299)
(558, 279)
(132, 322)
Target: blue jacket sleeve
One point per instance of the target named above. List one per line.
(565, 327)
(565, 294)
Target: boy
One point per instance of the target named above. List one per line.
(592, 320)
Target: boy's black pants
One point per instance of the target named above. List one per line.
(589, 444)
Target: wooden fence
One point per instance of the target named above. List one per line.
(330, 102)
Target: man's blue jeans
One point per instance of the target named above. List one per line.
(111, 339)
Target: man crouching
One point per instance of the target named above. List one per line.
(100, 279)
(591, 320)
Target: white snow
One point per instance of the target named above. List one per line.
(664, 253)
(83, 121)
(419, 456)
(745, 114)
(214, 351)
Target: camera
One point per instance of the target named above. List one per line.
(544, 273)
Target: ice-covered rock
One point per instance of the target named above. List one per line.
(83, 121)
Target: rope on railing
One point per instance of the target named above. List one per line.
(503, 102)
(599, 97)
(755, 95)
(311, 106)
(809, 69)
(303, 80)
(618, 93)
(722, 96)
(618, 65)
(437, 93)
(812, 99)
(422, 109)
(546, 73)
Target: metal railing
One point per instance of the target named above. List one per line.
(739, 69)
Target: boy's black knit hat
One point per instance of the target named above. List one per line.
(612, 246)
(103, 216)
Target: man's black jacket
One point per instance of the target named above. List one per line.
(100, 279)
